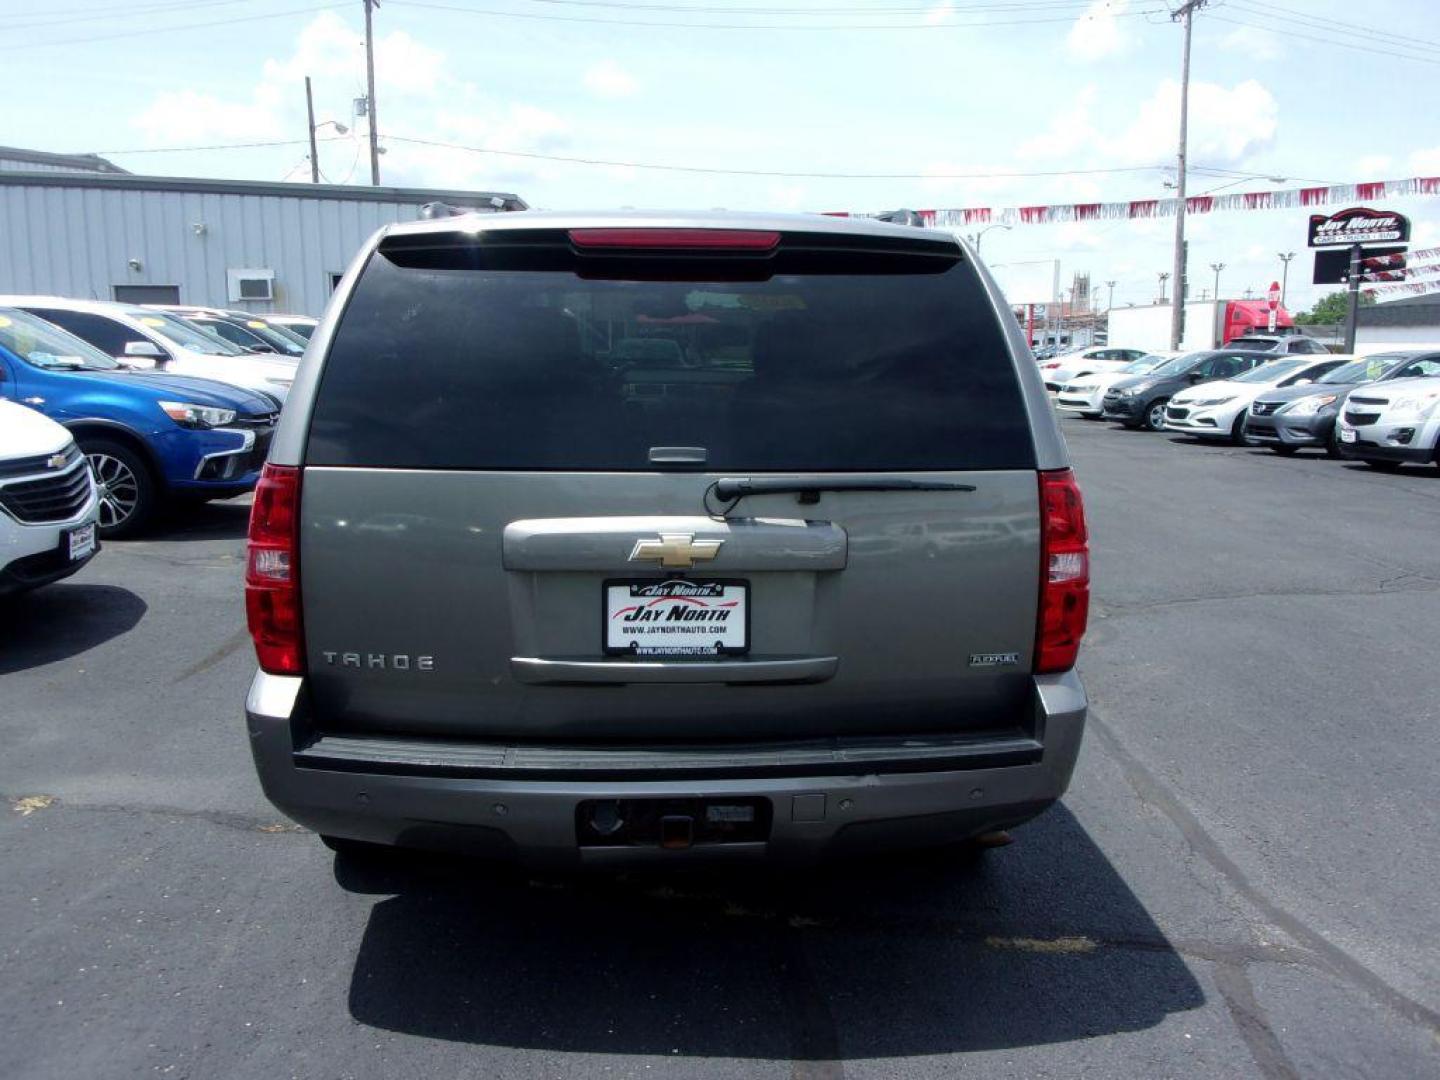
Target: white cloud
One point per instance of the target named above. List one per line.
(1372, 166)
(607, 79)
(1226, 125)
(184, 117)
(418, 96)
(1253, 43)
(1069, 131)
(1097, 33)
(1425, 162)
(942, 12)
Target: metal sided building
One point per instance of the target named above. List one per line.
(250, 245)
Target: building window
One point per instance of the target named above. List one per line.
(146, 294)
(251, 284)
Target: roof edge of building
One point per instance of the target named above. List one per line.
(344, 192)
(95, 162)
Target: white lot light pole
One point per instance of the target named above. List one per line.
(1177, 314)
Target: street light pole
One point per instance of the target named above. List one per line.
(1110, 303)
(370, 91)
(1285, 257)
(1217, 267)
(1177, 313)
(975, 238)
(1164, 277)
(310, 112)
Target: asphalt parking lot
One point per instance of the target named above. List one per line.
(1241, 882)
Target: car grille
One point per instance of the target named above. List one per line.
(51, 498)
(1265, 408)
(260, 449)
(1176, 414)
(1361, 419)
(38, 463)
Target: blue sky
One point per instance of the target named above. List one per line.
(965, 86)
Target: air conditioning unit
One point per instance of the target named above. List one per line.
(251, 284)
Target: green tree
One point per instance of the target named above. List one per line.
(1331, 309)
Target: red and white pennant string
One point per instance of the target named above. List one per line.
(1137, 209)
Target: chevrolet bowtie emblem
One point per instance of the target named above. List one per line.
(676, 549)
(56, 461)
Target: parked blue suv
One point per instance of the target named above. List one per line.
(148, 435)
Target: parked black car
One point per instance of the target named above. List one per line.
(1139, 401)
(1287, 419)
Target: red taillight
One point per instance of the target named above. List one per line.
(673, 239)
(272, 567)
(1064, 573)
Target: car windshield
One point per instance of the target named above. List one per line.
(1141, 366)
(1179, 365)
(180, 333)
(1366, 369)
(1253, 344)
(1271, 372)
(45, 345)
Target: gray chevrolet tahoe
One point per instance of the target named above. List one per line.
(809, 577)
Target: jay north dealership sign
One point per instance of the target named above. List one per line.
(1358, 225)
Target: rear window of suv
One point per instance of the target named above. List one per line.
(453, 366)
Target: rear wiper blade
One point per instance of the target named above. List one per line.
(731, 490)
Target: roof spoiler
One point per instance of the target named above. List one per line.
(902, 217)
(431, 210)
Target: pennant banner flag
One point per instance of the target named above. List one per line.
(1422, 270)
(1282, 199)
(1381, 262)
(1418, 288)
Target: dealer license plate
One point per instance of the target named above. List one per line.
(1347, 434)
(677, 617)
(81, 541)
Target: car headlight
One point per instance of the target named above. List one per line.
(196, 416)
(1413, 406)
(1205, 403)
(1308, 406)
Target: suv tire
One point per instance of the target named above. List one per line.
(128, 490)
(1155, 414)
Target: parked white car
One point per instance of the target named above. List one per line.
(146, 338)
(48, 505)
(1391, 423)
(1216, 410)
(1084, 395)
(1072, 365)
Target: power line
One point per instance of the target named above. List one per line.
(216, 146)
(1326, 41)
(1239, 175)
(184, 26)
(1352, 28)
(945, 25)
(34, 21)
(781, 174)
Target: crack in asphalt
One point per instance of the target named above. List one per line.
(1327, 955)
(224, 649)
(1238, 993)
(224, 818)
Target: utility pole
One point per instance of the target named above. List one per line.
(1111, 302)
(1177, 314)
(1164, 277)
(1217, 267)
(370, 5)
(1285, 257)
(310, 112)
(1352, 306)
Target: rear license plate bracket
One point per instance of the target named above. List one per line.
(675, 617)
